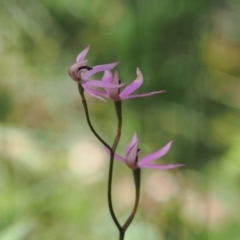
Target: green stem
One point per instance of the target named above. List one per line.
(111, 149)
(121, 235)
(84, 102)
(110, 173)
(137, 181)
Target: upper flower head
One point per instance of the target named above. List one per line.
(126, 93)
(132, 153)
(77, 72)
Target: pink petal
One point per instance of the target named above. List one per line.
(142, 95)
(96, 83)
(94, 93)
(100, 68)
(155, 155)
(82, 54)
(116, 156)
(132, 143)
(133, 86)
(108, 78)
(131, 158)
(113, 93)
(160, 166)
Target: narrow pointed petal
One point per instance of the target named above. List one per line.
(143, 95)
(81, 56)
(100, 68)
(155, 155)
(116, 156)
(95, 93)
(131, 158)
(160, 166)
(133, 86)
(113, 93)
(92, 93)
(108, 78)
(96, 83)
(132, 143)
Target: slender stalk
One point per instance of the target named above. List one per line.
(110, 173)
(136, 173)
(112, 152)
(84, 102)
(121, 235)
(137, 181)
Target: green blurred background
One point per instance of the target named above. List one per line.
(53, 172)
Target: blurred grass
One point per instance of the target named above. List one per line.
(51, 187)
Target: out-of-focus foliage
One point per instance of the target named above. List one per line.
(53, 173)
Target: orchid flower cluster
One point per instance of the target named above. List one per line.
(110, 87)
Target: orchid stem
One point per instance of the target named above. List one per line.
(84, 102)
(112, 151)
(121, 235)
(137, 181)
(110, 173)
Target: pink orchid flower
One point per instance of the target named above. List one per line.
(126, 93)
(75, 71)
(146, 162)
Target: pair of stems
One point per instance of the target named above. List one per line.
(136, 172)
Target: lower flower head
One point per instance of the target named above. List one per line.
(132, 152)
